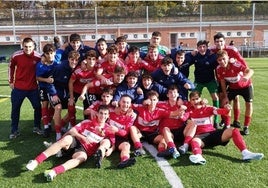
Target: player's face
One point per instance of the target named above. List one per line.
(195, 100)
(50, 56)
(106, 98)
(102, 46)
(118, 78)
(202, 49)
(166, 68)
(28, 47)
(146, 82)
(125, 103)
(223, 61)
(75, 45)
(122, 46)
(153, 54)
(112, 57)
(103, 115)
(220, 43)
(156, 40)
(134, 56)
(173, 94)
(180, 59)
(90, 62)
(73, 62)
(154, 100)
(131, 81)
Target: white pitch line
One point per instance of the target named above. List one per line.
(170, 174)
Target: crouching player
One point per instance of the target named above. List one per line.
(84, 139)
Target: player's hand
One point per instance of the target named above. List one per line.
(82, 97)
(11, 85)
(139, 91)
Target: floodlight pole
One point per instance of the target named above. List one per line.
(200, 21)
(96, 23)
(253, 24)
(55, 23)
(13, 26)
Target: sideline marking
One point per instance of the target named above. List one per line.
(2, 100)
(170, 174)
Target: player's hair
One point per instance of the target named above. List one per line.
(152, 47)
(103, 107)
(133, 49)
(202, 42)
(49, 48)
(73, 54)
(194, 93)
(146, 76)
(180, 52)
(166, 60)
(125, 95)
(218, 36)
(152, 93)
(101, 40)
(112, 49)
(120, 39)
(132, 74)
(75, 37)
(156, 33)
(108, 90)
(91, 53)
(172, 87)
(119, 69)
(27, 39)
(221, 53)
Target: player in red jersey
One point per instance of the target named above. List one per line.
(121, 42)
(83, 139)
(123, 119)
(207, 136)
(172, 128)
(147, 123)
(239, 78)
(80, 77)
(153, 58)
(106, 98)
(22, 81)
(220, 44)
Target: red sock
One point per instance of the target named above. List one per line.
(238, 140)
(227, 120)
(196, 149)
(51, 113)
(124, 158)
(57, 128)
(40, 158)
(45, 115)
(236, 114)
(161, 148)
(59, 169)
(171, 145)
(187, 139)
(137, 145)
(247, 120)
(71, 114)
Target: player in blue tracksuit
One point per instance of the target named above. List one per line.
(129, 87)
(58, 91)
(165, 77)
(74, 44)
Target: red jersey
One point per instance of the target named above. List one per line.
(154, 63)
(89, 129)
(149, 121)
(233, 74)
(108, 68)
(203, 118)
(82, 77)
(22, 70)
(139, 66)
(172, 123)
(232, 53)
(122, 122)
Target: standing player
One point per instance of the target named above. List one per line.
(22, 81)
(239, 78)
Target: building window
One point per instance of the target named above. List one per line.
(174, 40)
(112, 36)
(93, 36)
(7, 38)
(238, 33)
(103, 36)
(135, 36)
(126, 36)
(83, 37)
(191, 34)
(45, 37)
(229, 34)
(249, 33)
(145, 36)
(183, 34)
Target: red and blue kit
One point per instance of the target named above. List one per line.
(233, 74)
(149, 121)
(94, 134)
